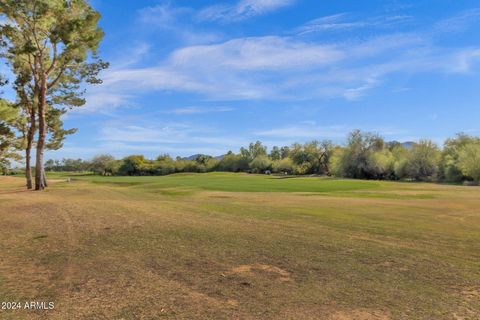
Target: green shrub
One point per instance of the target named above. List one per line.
(469, 160)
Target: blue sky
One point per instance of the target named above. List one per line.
(192, 77)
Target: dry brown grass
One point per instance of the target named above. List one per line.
(106, 252)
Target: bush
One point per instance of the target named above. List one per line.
(358, 159)
(283, 165)
(451, 170)
(400, 168)
(469, 161)
(232, 162)
(133, 166)
(104, 164)
(422, 164)
(336, 162)
(381, 165)
(260, 164)
(165, 167)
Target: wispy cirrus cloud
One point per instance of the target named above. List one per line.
(465, 59)
(242, 10)
(342, 22)
(459, 22)
(257, 53)
(163, 15)
(283, 67)
(176, 21)
(178, 138)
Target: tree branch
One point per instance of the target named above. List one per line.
(54, 81)
(54, 60)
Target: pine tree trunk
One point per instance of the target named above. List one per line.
(45, 182)
(28, 150)
(28, 169)
(40, 181)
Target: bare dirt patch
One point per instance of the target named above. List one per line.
(360, 314)
(283, 275)
(471, 294)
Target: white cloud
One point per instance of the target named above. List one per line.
(286, 68)
(356, 93)
(281, 68)
(167, 133)
(104, 101)
(176, 22)
(465, 60)
(163, 15)
(333, 22)
(132, 55)
(242, 10)
(257, 53)
(176, 138)
(339, 22)
(459, 22)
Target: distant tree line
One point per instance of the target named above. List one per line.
(364, 156)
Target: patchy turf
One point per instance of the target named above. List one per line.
(235, 182)
(213, 247)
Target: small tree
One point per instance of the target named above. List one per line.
(381, 165)
(254, 150)
(8, 139)
(233, 163)
(422, 164)
(285, 152)
(354, 161)
(450, 169)
(103, 164)
(132, 165)
(275, 154)
(260, 164)
(469, 161)
(165, 165)
(283, 165)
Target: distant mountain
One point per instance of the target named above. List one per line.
(195, 156)
(408, 144)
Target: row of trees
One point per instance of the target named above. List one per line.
(51, 49)
(365, 156)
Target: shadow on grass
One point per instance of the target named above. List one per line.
(284, 177)
(15, 191)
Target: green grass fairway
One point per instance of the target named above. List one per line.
(238, 246)
(234, 182)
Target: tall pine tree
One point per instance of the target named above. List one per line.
(55, 42)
